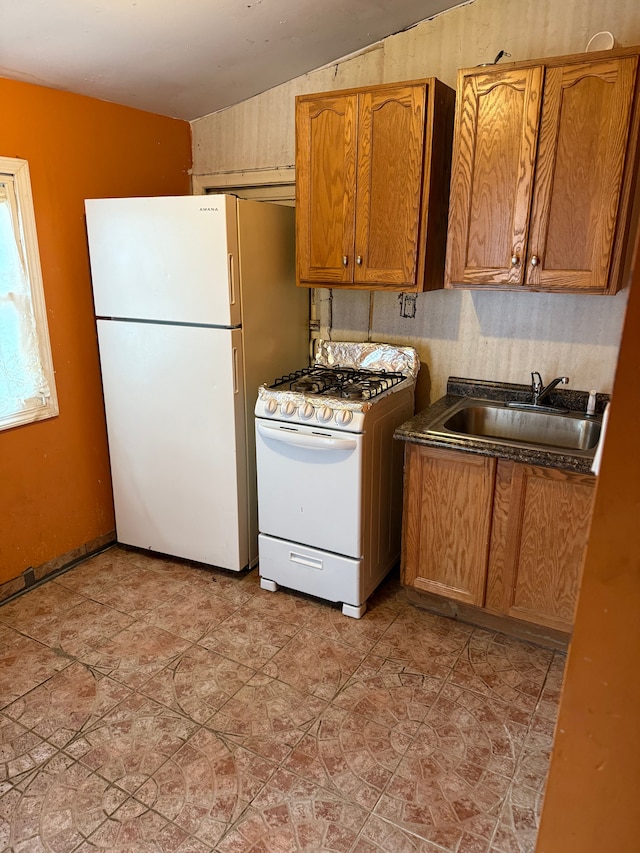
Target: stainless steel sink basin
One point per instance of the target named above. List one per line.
(495, 422)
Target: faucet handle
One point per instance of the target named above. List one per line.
(536, 381)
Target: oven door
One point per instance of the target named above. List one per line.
(309, 485)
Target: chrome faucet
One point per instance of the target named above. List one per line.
(539, 392)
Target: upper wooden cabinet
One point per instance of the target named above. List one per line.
(372, 186)
(543, 164)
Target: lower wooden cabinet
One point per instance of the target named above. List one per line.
(447, 522)
(540, 527)
(494, 533)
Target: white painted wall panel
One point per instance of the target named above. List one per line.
(260, 133)
(472, 34)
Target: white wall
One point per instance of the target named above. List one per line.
(501, 336)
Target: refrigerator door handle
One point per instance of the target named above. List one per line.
(232, 282)
(234, 352)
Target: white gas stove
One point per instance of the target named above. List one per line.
(329, 472)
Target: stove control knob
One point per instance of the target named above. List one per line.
(288, 409)
(324, 414)
(306, 411)
(344, 417)
(271, 407)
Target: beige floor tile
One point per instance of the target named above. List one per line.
(504, 668)
(98, 574)
(382, 691)
(79, 630)
(349, 754)
(65, 704)
(148, 705)
(139, 592)
(423, 642)
(519, 820)
(292, 814)
(314, 664)
(29, 613)
(24, 664)
(450, 786)
(135, 654)
(192, 614)
(390, 593)
(8, 637)
(532, 769)
(267, 717)
(21, 751)
(198, 683)
(251, 638)
(380, 836)
(205, 786)
(67, 807)
(362, 633)
(289, 606)
(132, 741)
(231, 586)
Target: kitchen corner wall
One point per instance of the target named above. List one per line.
(55, 486)
(501, 336)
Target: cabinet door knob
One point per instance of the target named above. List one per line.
(515, 260)
(345, 260)
(359, 260)
(535, 260)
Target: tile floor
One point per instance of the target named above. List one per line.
(146, 705)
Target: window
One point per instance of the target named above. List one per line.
(27, 387)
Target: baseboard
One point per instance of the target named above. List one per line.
(34, 576)
(483, 619)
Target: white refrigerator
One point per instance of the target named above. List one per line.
(196, 306)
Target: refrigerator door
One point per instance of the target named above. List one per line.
(175, 421)
(169, 258)
(275, 313)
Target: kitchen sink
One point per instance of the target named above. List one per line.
(497, 423)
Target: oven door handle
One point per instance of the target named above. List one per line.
(304, 439)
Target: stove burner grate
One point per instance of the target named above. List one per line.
(344, 382)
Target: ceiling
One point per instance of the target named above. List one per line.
(188, 58)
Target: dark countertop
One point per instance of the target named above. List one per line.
(417, 429)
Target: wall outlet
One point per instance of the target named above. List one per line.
(408, 303)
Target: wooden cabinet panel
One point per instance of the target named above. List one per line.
(501, 535)
(325, 188)
(390, 163)
(447, 522)
(492, 179)
(583, 141)
(372, 186)
(540, 529)
(544, 163)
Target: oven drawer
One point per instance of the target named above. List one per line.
(311, 570)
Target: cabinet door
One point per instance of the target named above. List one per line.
(447, 522)
(492, 181)
(540, 530)
(391, 130)
(585, 123)
(325, 188)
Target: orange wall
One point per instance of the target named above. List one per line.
(55, 488)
